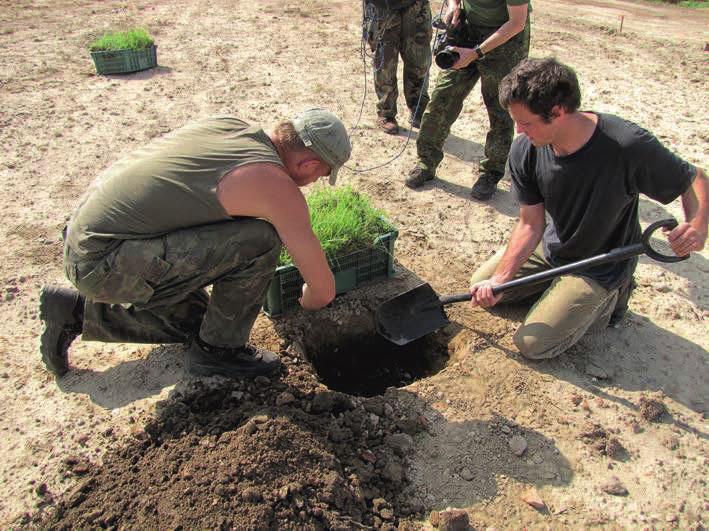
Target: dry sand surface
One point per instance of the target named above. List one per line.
(586, 418)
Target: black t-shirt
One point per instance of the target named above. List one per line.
(591, 196)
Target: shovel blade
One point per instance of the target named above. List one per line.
(411, 315)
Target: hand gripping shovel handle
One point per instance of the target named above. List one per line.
(621, 253)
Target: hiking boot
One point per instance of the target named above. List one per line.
(388, 125)
(240, 362)
(621, 305)
(418, 177)
(415, 118)
(61, 311)
(485, 186)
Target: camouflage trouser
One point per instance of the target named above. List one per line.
(567, 308)
(152, 291)
(453, 86)
(407, 32)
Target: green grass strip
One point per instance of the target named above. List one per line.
(132, 39)
(692, 4)
(343, 220)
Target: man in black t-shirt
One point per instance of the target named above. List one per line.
(578, 176)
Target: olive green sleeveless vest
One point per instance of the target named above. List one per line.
(168, 185)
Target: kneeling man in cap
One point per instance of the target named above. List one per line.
(209, 204)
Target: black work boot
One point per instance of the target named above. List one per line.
(621, 305)
(485, 186)
(61, 312)
(204, 359)
(418, 177)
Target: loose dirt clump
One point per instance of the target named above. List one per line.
(603, 442)
(651, 410)
(223, 454)
(615, 449)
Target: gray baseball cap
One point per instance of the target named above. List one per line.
(325, 134)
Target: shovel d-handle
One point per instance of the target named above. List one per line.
(652, 253)
(621, 253)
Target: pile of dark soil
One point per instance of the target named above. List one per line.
(283, 452)
(651, 409)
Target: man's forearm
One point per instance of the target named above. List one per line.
(695, 203)
(523, 241)
(515, 24)
(503, 34)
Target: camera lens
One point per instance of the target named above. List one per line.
(445, 59)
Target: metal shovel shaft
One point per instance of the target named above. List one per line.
(614, 255)
(622, 253)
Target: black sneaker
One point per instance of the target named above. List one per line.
(60, 311)
(485, 186)
(247, 361)
(418, 177)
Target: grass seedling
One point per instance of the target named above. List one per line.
(343, 220)
(132, 39)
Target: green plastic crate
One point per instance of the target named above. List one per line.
(125, 61)
(350, 270)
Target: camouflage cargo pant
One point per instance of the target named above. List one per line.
(407, 32)
(152, 291)
(565, 308)
(453, 86)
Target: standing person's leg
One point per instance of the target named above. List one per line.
(452, 87)
(562, 315)
(386, 43)
(416, 52)
(152, 290)
(493, 68)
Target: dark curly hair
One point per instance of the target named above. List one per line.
(540, 85)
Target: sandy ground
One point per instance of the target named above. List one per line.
(62, 124)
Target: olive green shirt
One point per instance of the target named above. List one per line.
(168, 185)
(489, 13)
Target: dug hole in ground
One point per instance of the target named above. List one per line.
(611, 433)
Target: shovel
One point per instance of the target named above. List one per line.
(419, 311)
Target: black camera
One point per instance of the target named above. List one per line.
(444, 57)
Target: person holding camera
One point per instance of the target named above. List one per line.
(399, 27)
(495, 37)
(209, 204)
